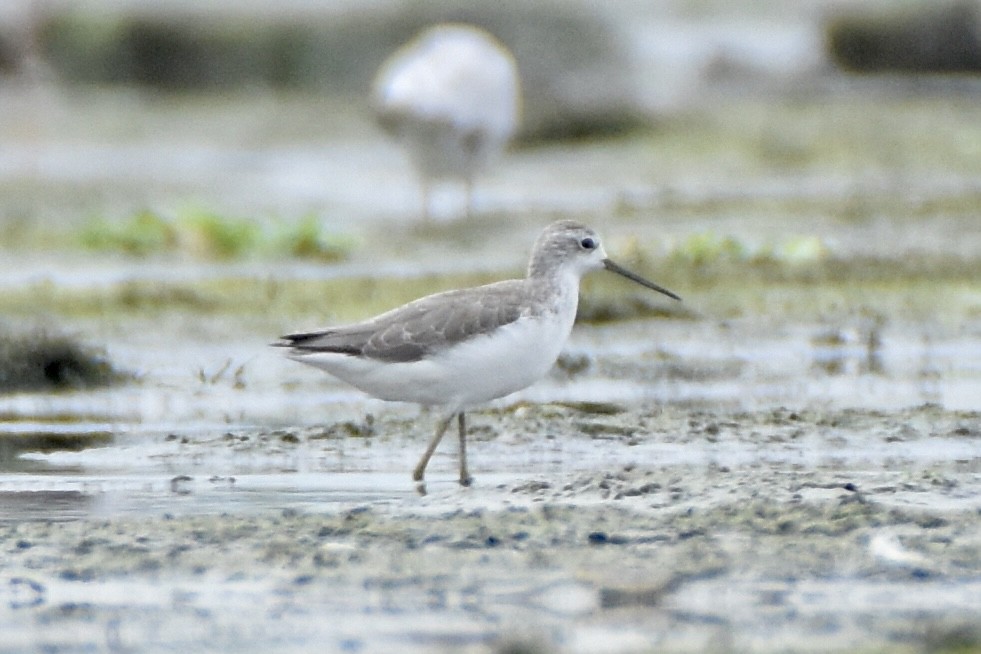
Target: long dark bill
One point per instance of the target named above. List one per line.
(612, 267)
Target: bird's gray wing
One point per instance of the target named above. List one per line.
(415, 330)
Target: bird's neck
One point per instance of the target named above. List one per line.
(561, 285)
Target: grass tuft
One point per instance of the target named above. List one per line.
(208, 235)
(40, 360)
(307, 239)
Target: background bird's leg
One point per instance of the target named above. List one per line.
(468, 196)
(465, 479)
(420, 470)
(427, 199)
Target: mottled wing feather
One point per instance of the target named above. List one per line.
(420, 328)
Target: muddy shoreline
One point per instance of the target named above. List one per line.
(779, 530)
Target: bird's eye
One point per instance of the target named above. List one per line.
(587, 244)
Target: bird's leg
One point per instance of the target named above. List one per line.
(465, 478)
(427, 200)
(468, 196)
(420, 470)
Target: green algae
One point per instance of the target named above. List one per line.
(209, 235)
(144, 233)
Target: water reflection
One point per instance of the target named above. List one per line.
(58, 505)
(14, 443)
(858, 351)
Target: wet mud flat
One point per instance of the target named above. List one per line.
(589, 529)
(650, 495)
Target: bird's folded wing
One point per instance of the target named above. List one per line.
(421, 328)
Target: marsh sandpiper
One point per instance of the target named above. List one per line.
(451, 96)
(461, 348)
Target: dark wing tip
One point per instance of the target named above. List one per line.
(311, 342)
(296, 340)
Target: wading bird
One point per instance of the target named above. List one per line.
(461, 348)
(451, 96)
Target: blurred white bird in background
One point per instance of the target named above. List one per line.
(451, 95)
